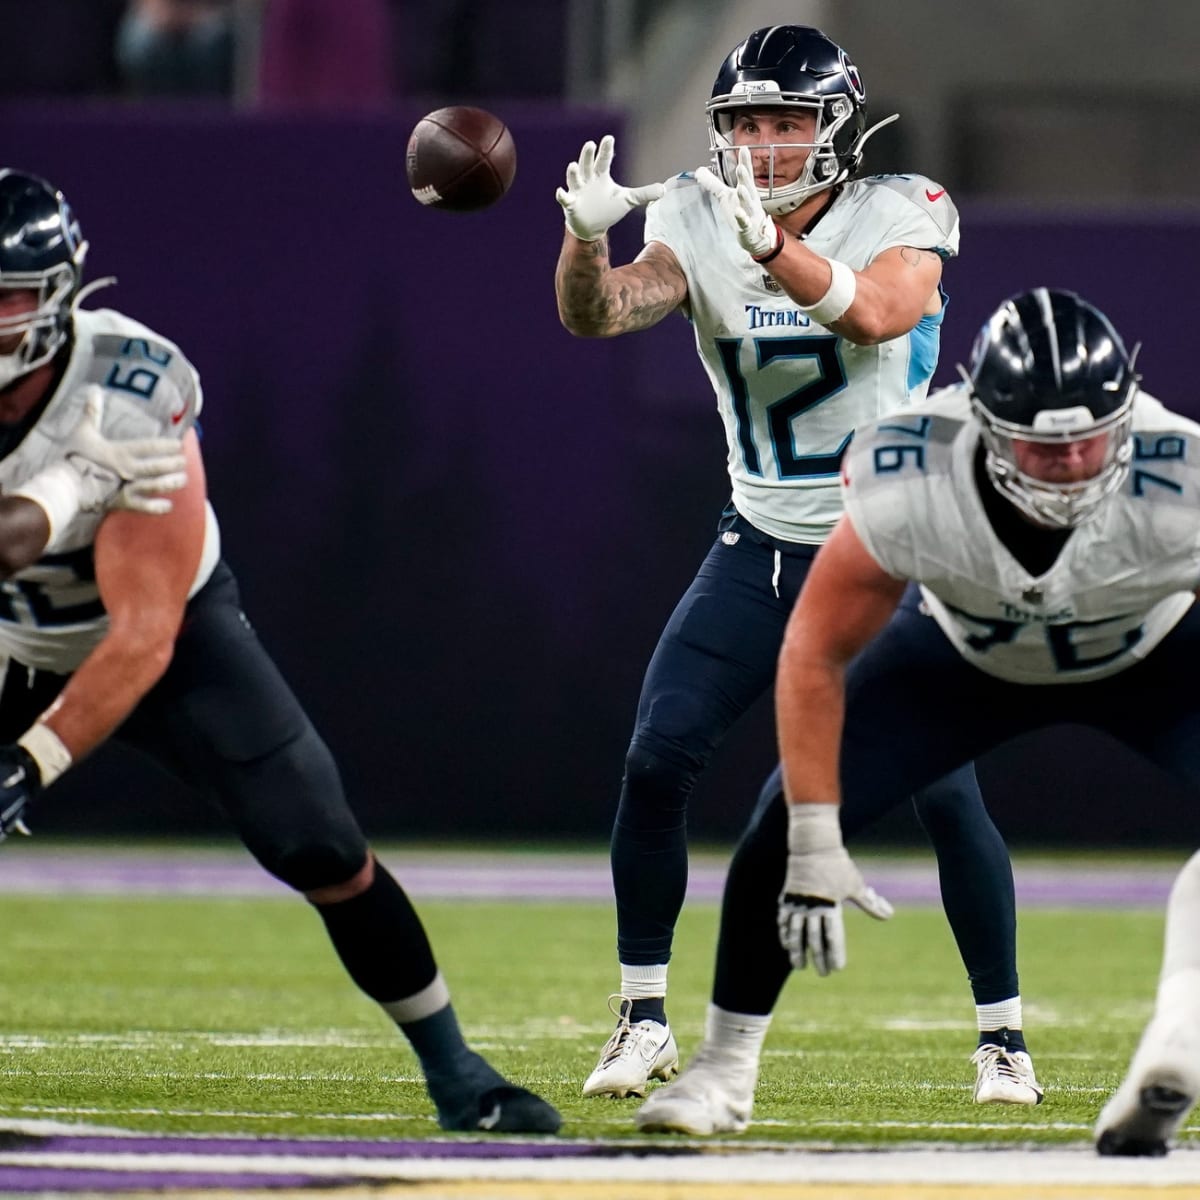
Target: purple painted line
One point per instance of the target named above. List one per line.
(538, 877)
(65, 1179)
(304, 1148)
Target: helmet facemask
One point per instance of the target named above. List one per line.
(1058, 505)
(45, 326)
(831, 158)
(1053, 389)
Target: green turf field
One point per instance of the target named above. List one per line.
(188, 1014)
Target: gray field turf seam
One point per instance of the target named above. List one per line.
(500, 876)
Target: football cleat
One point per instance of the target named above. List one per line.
(1157, 1094)
(503, 1109)
(636, 1053)
(1005, 1076)
(710, 1096)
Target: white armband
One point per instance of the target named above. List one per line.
(838, 298)
(55, 490)
(814, 827)
(46, 749)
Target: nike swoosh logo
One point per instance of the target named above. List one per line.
(932, 196)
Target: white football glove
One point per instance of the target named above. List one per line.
(130, 474)
(820, 876)
(593, 201)
(742, 207)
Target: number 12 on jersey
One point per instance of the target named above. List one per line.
(780, 414)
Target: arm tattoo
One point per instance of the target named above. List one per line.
(914, 257)
(594, 299)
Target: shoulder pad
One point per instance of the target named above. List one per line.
(152, 376)
(930, 198)
(952, 401)
(1150, 414)
(902, 439)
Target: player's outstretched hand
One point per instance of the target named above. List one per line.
(741, 206)
(821, 876)
(20, 782)
(131, 474)
(593, 201)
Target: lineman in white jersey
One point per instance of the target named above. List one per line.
(1050, 512)
(131, 627)
(816, 303)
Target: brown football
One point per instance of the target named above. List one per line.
(460, 158)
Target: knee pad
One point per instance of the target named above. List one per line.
(307, 866)
(654, 782)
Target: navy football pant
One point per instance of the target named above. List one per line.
(224, 722)
(916, 709)
(716, 656)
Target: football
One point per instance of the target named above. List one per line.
(460, 159)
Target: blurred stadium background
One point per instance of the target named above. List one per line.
(459, 529)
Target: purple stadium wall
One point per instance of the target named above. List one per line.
(459, 528)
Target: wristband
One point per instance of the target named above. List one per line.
(814, 827)
(46, 749)
(55, 490)
(770, 254)
(839, 296)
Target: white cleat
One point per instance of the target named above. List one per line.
(636, 1053)
(1157, 1094)
(1005, 1077)
(711, 1096)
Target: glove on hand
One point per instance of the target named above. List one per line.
(741, 206)
(122, 474)
(592, 201)
(820, 876)
(20, 782)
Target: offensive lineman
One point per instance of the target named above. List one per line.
(1050, 511)
(133, 629)
(816, 303)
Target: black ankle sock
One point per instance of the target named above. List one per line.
(438, 1043)
(1010, 1039)
(652, 1008)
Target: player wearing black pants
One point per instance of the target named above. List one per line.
(128, 624)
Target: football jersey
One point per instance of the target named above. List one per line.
(790, 392)
(1120, 583)
(51, 616)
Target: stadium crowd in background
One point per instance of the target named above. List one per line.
(321, 53)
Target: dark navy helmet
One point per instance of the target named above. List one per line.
(1049, 368)
(792, 66)
(41, 251)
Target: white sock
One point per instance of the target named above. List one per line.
(643, 982)
(1006, 1014)
(1179, 983)
(738, 1036)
